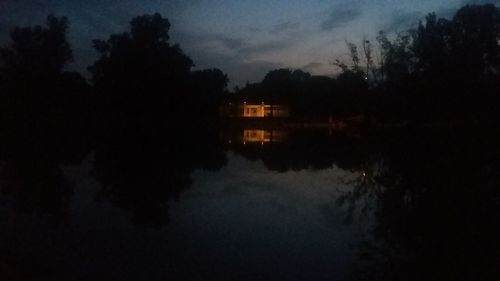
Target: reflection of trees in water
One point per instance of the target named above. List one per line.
(141, 174)
(36, 186)
(138, 173)
(434, 194)
(31, 176)
(437, 206)
(310, 149)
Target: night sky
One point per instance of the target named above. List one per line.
(243, 38)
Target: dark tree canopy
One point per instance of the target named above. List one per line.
(140, 77)
(309, 97)
(444, 68)
(210, 80)
(37, 52)
(475, 40)
(464, 48)
(150, 29)
(38, 97)
(142, 59)
(43, 111)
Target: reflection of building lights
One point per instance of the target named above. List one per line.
(256, 136)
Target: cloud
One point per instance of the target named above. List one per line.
(239, 45)
(239, 68)
(402, 20)
(340, 16)
(310, 67)
(232, 43)
(241, 58)
(4, 27)
(194, 39)
(262, 47)
(241, 72)
(481, 2)
(285, 27)
(254, 29)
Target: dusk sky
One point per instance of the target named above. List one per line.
(243, 38)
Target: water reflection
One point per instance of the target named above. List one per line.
(141, 173)
(31, 180)
(411, 204)
(437, 205)
(299, 149)
(36, 186)
(254, 136)
(263, 136)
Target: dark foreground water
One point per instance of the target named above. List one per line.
(258, 205)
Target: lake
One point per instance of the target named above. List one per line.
(257, 204)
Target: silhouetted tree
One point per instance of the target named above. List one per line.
(396, 57)
(444, 68)
(140, 72)
(156, 119)
(37, 52)
(38, 96)
(456, 60)
(209, 88)
(42, 117)
(212, 81)
(476, 30)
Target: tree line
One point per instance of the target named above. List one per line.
(139, 76)
(147, 116)
(444, 69)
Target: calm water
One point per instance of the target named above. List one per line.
(259, 205)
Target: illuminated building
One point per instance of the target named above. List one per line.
(255, 110)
